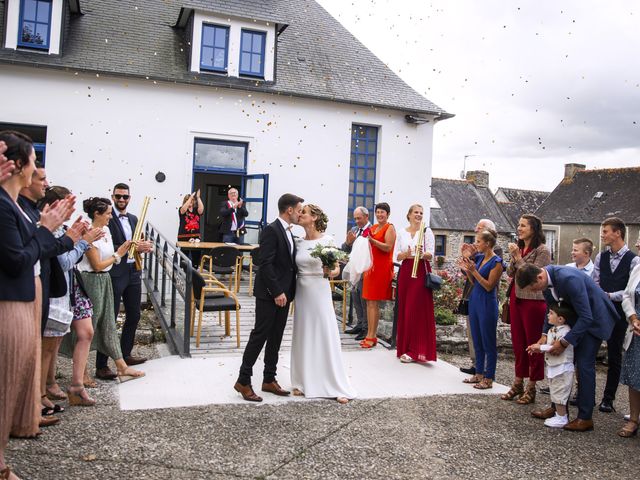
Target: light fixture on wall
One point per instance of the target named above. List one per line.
(416, 119)
(160, 177)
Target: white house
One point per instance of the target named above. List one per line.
(175, 95)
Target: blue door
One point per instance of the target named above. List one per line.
(255, 190)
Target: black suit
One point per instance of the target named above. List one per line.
(21, 245)
(54, 282)
(277, 275)
(226, 215)
(127, 285)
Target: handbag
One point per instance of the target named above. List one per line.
(59, 319)
(432, 281)
(504, 313)
(463, 307)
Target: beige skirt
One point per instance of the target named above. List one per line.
(20, 367)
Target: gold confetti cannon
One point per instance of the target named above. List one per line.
(137, 235)
(418, 253)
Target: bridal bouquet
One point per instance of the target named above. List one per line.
(329, 256)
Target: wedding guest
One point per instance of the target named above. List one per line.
(233, 213)
(527, 309)
(469, 250)
(484, 270)
(559, 368)
(94, 271)
(376, 285)
(630, 375)
(126, 279)
(190, 214)
(77, 303)
(20, 295)
(581, 255)
(416, 337)
(361, 228)
(611, 272)
(595, 319)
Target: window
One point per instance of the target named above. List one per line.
(441, 245)
(37, 133)
(35, 24)
(215, 48)
(469, 239)
(362, 169)
(217, 155)
(252, 53)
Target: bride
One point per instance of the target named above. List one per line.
(317, 370)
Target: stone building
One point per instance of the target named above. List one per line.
(584, 198)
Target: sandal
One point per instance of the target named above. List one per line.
(474, 379)
(297, 392)
(369, 342)
(629, 429)
(516, 390)
(129, 374)
(404, 358)
(89, 382)
(78, 396)
(54, 392)
(342, 400)
(485, 384)
(529, 395)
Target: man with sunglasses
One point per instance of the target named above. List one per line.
(125, 279)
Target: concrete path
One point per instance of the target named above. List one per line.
(174, 382)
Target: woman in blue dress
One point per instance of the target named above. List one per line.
(484, 271)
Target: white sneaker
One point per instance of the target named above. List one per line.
(556, 421)
(627, 417)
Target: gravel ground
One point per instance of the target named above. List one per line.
(458, 436)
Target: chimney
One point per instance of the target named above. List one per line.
(479, 178)
(570, 170)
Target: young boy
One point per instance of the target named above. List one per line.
(559, 368)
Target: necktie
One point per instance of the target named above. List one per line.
(359, 231)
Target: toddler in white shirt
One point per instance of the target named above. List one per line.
(559, 368)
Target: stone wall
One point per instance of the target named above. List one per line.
(455, 239)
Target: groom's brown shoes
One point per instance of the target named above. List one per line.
(247, 392)
(579, 425)
(274, 388)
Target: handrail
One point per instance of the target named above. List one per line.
(166, 263)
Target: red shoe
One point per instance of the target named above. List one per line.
(369, 342)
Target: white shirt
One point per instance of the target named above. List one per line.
(126, 228)
(104, 246)
(287, 229)
(557, 364)
(587, 269)
(404, 240)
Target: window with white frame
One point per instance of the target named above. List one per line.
(252, 53)
(215, 47)
(35, 24)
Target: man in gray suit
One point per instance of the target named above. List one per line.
(361, 217)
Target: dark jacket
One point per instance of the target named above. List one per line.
(596, 314)
(227, 219)
(277, 273)
(118, 238)
(21, 246)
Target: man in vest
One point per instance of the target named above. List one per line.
(611, 273)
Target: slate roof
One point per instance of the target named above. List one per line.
(463, 204)
(519, 202)
(316, 56)
(575, 200)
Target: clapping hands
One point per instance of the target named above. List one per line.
(57, 213)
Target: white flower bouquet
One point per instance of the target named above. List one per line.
(329, 256)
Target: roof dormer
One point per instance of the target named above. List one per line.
(230, 45)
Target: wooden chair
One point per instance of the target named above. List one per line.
(339, 293)
(224, 261)
(253, 266)
(205, 297)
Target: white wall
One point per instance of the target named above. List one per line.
(103, 130)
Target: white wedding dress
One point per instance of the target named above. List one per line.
(317, 368)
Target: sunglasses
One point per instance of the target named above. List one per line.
(121, 197)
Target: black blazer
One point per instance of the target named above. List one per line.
(227, 220)
(277, 272)
(117, 235)
(21, 245)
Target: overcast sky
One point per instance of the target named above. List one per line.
(533, 84)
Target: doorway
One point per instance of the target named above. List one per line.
(213, 189)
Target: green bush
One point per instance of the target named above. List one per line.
(444, 316)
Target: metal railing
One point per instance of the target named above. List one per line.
(167, 277)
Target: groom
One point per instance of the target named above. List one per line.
(274, 290)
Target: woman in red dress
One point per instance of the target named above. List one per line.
(377, 280)
(416, 338)
(527, 309)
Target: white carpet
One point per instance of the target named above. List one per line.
(172, 382)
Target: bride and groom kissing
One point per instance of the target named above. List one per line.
(287, 271)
